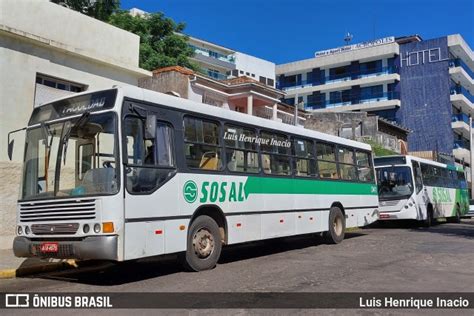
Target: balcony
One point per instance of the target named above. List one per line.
(461, 73)
(460, 123)
(213, 58)
(340, 78)
(461, 150)
(462, 99)
(216, 75)
(377, 102)
(460, 63)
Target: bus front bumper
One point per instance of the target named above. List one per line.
(94, 247)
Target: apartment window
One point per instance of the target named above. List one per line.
(59, 84)
(235, 73)
(339, 72)
(270, 82)
(263, 80)
(213, 73)
(241, 72)
(340, 96)
(371, 67)
(372, 92)
(247, 73)
(213, 54)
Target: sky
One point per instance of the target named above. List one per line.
(282, 31)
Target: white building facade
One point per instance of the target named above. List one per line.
(223, 63)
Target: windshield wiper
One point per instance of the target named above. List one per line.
(65, 140)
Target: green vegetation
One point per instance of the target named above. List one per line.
(160, 43)
(100, 9)
(379, 150)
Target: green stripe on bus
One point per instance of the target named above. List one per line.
(257, 185)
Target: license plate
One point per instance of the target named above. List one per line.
(49, 247)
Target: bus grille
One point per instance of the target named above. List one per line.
(58, 210)
(54, 229)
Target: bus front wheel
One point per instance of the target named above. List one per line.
(337, 226)
(203, 245)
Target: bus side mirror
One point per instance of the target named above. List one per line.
(11, 143)
(150, 126)
(10, 149)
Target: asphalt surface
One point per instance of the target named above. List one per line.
(397, 258)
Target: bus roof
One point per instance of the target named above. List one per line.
(146, 95)
(426, 161)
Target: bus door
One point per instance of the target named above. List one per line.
(150, 164)
(420, 195)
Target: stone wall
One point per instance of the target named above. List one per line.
(166, 82)
(10, 174)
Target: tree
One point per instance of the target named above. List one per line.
(161, 41)
(99, 9)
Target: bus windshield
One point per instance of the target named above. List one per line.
(394, 182)
(76, 157)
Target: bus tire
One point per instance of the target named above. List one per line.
(337, 226)
(456, 218)
(428, 222)
(204, 245)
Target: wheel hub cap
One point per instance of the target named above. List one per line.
(203, 243)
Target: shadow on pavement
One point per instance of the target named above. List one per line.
(109, 273)
(465, 229)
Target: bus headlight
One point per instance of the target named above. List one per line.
(97, 228)
(27, 230)
(86, 228)
(19, 230)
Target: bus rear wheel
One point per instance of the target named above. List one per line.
(204, 245)
(457, 218)
(337, 226)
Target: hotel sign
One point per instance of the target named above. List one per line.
(421, 57)
(377, 42)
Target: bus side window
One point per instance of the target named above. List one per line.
(150, 162)
(202, 145)
(417, 176)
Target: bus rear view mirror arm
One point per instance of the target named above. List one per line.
(11, 143)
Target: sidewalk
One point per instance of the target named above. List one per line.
(11, 266)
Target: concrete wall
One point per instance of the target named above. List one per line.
(68, 29)
(259, 67)
(167, 81)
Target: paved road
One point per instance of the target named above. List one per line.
(399, 258)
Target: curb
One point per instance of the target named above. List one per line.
(35, 269)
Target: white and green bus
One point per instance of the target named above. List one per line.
(419, 189)
(128, 173)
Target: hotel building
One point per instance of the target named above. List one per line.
(426, 86)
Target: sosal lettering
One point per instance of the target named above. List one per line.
(222, 191)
